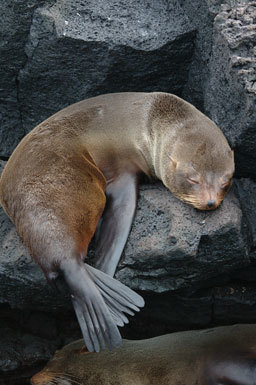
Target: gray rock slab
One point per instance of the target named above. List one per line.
(173, 246)
(14, 28)
(230, 98)
(80, 49)
(246, 191)
(201, 15)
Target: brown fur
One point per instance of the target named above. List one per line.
(204, 357)
(56, 180)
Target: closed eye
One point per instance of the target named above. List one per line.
(193, 180)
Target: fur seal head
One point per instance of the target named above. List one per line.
(195, 161)
(199, 180)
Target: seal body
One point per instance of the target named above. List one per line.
(223, 355)
(55, 184)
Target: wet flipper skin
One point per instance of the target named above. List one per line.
(116, 221)
(99, 303)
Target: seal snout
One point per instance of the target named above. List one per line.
(42, 378)
(211, 204)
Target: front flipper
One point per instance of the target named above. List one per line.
(99, 302)
(116, 222)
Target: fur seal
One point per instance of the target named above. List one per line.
(55, 184)
(222, 355)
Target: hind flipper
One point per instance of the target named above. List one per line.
(116, 222)
(117, 290)
(99, 302)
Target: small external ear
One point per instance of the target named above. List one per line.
(174, 162)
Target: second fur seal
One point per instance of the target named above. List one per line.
(219, 356)
(55, 184)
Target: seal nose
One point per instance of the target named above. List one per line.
(210, 203)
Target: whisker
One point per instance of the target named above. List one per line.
(72, 378)
(70, 375)
(73, 381)
(56, 380)
(65, 374)
(53, 381)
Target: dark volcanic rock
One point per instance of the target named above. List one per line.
(173, 246)
(167, 312)
(30, 337)
(18, 349)
(80, 49)
(235, 303)
(231, 92)
(201, 15)
(246, 189)
(14, 28)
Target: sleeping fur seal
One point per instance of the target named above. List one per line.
(55, 184)
(224, 355)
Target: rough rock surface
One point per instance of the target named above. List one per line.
(246, 189)
(172, 246)
(78, 49)
(14, 28)
(201, 15)
(231, 91)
